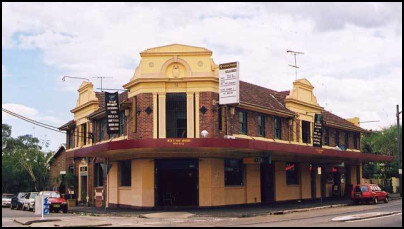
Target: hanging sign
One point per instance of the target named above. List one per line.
(318, 131)
(112, 110)
(229, 86)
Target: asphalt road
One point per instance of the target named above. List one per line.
(314, 218)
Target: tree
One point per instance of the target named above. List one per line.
(383, 142)
(24, 164)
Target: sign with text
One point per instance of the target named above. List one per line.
(318, 131)
(229, 86)
(112, 110)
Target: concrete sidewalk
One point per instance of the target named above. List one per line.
(276, 208)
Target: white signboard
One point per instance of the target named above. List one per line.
(229, 86)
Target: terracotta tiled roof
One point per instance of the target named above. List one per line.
(68, 125)
(331, 118)
(261, 96)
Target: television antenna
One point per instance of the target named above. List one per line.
(295, 53)
(102, 77)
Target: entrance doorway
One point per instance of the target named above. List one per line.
(267, 183)
(313, 182)
(83, 189)
(176, 182)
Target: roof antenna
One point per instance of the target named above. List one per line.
(294, 66)
(101, 77)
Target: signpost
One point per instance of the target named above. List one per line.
(112, 109)
(318, 131)
(229, 86)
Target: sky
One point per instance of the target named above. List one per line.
(352, 52)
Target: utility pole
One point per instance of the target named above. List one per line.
(399, 146)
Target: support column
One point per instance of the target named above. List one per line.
(162, 115)
(197, 130)
(190, 115)
(155, 116)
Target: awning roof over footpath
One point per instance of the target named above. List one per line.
(205, 147)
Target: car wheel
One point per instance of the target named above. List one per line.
(386, 200)
(356, 202)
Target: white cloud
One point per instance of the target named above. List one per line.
(4, 72)
(30, 113)
(353, 52)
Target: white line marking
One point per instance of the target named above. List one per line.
(360, 220)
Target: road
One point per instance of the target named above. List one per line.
(314, 218)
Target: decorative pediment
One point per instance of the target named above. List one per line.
(302, 93)
(176, 49)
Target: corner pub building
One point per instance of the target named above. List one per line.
(260, 150)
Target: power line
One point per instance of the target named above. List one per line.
(43, 125)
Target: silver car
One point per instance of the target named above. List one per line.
(6, 200)
(29, 201)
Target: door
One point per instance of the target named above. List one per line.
(313, 182)
(177, 182)
(267, 183)
(84, 189)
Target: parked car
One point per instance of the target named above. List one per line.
(29, 201)
(6, 200)
(56, 202)
(368, 193)
(18, 201)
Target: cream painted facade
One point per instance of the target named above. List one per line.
(191, 71)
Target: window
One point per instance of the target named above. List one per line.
(347, 140)
(306, 132)
(355, 140)
(337, 137)
(220, 117)
(242, 120)
(83, 133)
(292, 174)
(71, 137)
(121, 123)
(326, 136)
(125, 173)
(233, 172)
(98, 175)
(176, 115)
(278, 127)
(101, 129)
(261, 125)
(135, 114)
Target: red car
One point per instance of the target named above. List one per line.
(369, 193)
(56, 202)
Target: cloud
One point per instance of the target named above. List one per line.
(4, 72)
(30, 113)
(346, 45)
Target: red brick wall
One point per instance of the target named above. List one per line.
(144, 121)
(59, 164)
(210, 120)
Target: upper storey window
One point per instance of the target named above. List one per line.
(261, 125)
(306, 132)
(176, 118)
(278, 127)
(242, 121)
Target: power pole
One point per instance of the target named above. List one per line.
(399, 146)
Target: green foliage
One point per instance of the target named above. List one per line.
(383, 142)
(24, 164)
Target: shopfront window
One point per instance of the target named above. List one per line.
(98, 175)
(292, 174)
(233, 172)
(125, 169)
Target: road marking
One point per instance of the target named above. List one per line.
(360, 220)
